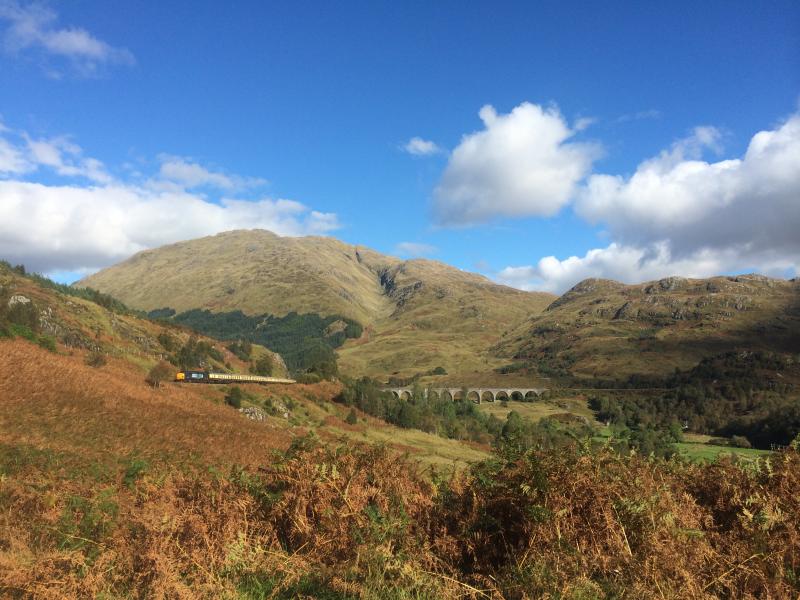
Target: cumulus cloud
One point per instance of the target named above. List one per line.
(681, 215)
(419, 147)
(94, 220)
(32, 27)
(415, 249)
(189, 174)
(622, 263)
(750, 203)
(521, 164)
(72, 228)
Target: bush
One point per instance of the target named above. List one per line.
(95, 359)
(47, 342)
(160, 373)
(22, 331)
(263, 366)
(352, 417)
(740, 441)
(167, 341)
(234, 397)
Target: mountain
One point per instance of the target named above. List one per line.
(606, 329)
(417, 314)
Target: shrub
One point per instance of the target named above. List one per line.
(163, 371)
(47, 342)
(740, 441)
(263, 366)
(352, 417)
(95, 359)
(234, 397)
(22, 331)
(167, 341)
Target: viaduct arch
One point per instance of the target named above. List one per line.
(475, 394)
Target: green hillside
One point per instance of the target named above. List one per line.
(416, 315)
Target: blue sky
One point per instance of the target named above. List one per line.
(620, 135)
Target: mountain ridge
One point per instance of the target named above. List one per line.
(604, 328)
(419, 314)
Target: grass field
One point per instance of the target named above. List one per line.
(710, 453)
(427, 448)
(541, 408)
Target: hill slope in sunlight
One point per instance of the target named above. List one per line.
(417, 314)
(602, 328)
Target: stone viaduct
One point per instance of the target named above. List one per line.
(475, 394)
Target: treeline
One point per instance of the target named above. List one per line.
(305, 341)
(462, 419)
(105, 300)
(737, 393)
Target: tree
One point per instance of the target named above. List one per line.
(234, 397)
(163, 371)
(168, 342)
(263, 366)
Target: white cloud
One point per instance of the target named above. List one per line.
(640, 116)
(32, 27)
(71, 228)
(83, 226)
(12, 161)
(680, 215)
(750, 203)
(65, 158)
(520, 164)
(188, 174)
(58, 154)
(419, 147)
(584, 123)
(415, 249)
(621, 263)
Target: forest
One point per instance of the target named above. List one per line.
(305, 341)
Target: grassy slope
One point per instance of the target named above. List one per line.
(55, 404)
(613, 330)
(81, 325)
(54, 401)
(418, 314)
(542, 408)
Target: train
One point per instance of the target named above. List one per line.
(211, 377)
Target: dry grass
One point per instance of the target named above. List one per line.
(56, 402)
(356, 521)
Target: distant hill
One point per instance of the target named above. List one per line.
(417, 315)
(602, 328)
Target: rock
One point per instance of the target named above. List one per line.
(624, 311)
(253, 413)
(671, 283)
(18, 299)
